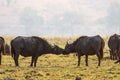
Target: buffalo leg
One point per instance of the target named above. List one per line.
(35, 61)
(16, 59)
(32, 60)
(111, 56)
(114, 56)
(79, 59)
(86, 60)
(0, 57)
(98, 55)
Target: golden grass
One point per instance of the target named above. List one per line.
(59, 67)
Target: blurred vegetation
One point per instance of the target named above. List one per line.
(59, 67)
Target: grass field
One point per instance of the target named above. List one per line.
(59, 67)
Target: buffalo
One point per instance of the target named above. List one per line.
(7, 49)
(85, 45)
(2, 43)
(32, 46)
(114, 45)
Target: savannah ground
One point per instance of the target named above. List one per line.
(59, 67)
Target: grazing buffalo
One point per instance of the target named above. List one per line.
(114, 45)
(32, 46)
(2, 43)
(86, 46)
(7, 50)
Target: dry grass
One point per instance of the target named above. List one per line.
(59, 67)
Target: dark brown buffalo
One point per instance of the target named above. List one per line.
(114, 45)
(2, 43)
(118, 60)
(7, 50)
(32, 46)
(87, 46)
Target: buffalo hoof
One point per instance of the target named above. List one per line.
(87, 65)
(78, 78)
(97, 66)
(17, 66)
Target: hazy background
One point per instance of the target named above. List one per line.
(59, 17)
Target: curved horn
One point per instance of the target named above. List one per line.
(68, 41)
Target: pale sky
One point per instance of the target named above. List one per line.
(59, 17)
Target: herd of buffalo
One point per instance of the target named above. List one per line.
(35, 46)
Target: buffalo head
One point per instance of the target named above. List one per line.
(57, 50)
(68, 48)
